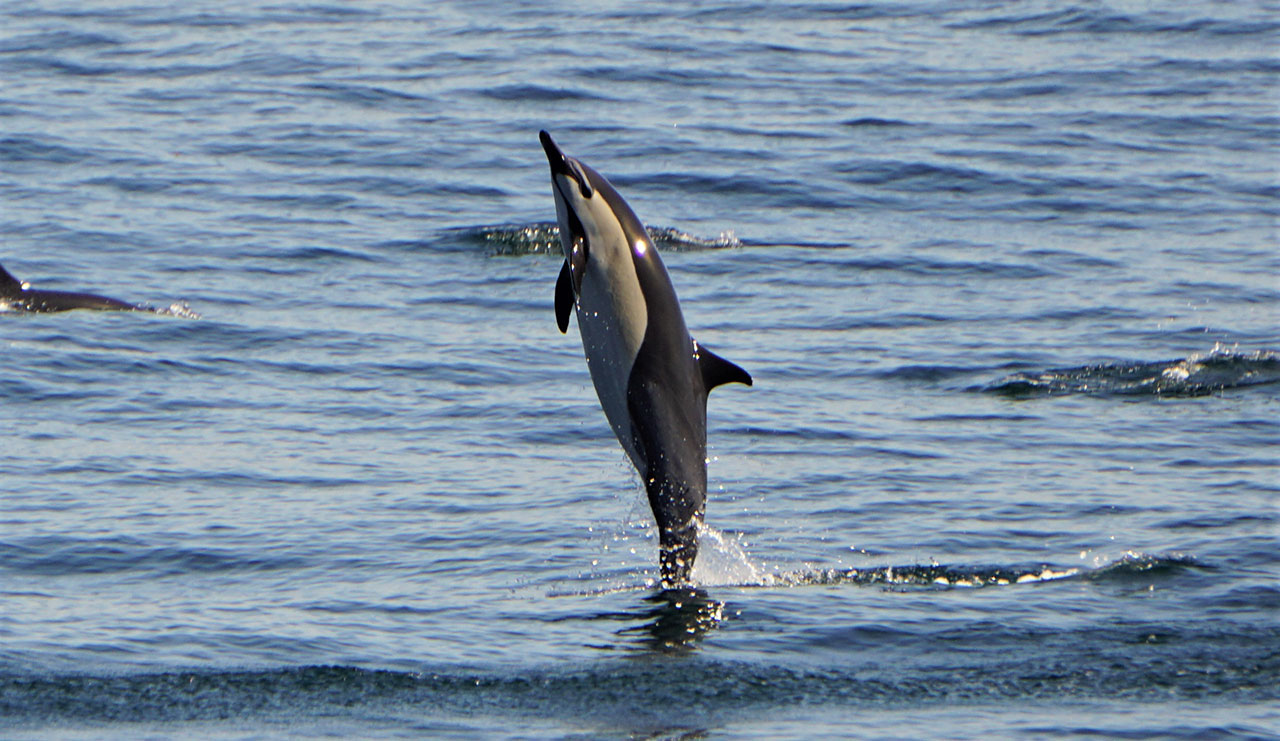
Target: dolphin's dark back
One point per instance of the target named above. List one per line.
(47, 301)
(40, 301)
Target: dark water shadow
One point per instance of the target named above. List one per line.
(670, 621)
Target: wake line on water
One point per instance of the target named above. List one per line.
(1132, 564)
(724, 563)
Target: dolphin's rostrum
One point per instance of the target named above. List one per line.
(651, 376)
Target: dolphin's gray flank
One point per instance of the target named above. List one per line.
(651, 377)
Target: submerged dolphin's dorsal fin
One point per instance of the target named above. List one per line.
(564, 298)
(8, 283)
(716, 370)
(9, 286)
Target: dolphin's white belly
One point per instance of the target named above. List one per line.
(612, 318)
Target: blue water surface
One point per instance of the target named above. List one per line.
(1005, 275)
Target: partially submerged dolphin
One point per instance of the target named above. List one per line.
(18, 296)
(651, 376)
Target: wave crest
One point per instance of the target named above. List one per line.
(1198, 375)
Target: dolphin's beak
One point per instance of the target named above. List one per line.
(562, 164)
(554, 155)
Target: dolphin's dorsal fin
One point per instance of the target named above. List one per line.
(8, 283)
(716, 370)
(564, 298)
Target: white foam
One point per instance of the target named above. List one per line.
(723, 561)
(179, 309)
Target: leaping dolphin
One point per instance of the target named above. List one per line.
(18, 296)
(651, 376)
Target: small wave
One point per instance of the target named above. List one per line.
(31, 149)
(364, 95)
(540, 93)
(1198, 375)
(544, 238)
(54, 557)
(648, 694)
(1089, 21)
(872, 121)
(52, 41)
(1144, 565)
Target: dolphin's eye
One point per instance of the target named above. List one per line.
(584, 184)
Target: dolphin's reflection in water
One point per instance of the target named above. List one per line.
(673, 620)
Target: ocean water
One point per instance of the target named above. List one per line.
(1005, 275)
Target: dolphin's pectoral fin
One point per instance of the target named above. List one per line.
(717, 371)
(564, 298)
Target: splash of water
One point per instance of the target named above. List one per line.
(724, 561)
(179, 309)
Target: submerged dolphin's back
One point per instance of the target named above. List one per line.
(17, 296)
